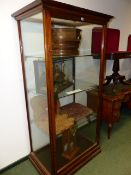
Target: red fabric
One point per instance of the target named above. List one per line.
(129, 43)
(112, 44)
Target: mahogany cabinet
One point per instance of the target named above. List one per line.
(58, 70)
(112, 103)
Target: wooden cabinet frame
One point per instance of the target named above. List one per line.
(55, 9)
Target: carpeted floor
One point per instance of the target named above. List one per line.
(115, 158)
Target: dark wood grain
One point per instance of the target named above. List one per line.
(53, 9)
(111, 104)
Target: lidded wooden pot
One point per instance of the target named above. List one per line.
(66, 41)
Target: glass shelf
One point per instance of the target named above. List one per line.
(77, 87)
(68, 56)
(109, 56)
(81, 53)
(80, 86)
(40, 57)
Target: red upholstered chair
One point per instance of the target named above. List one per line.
(112, 44)
(129, 43)
(112, 53)
(129, 47)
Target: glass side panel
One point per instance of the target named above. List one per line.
(35, 75)
(76, 74)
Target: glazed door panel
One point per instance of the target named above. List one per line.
(75, 72)
(36, 86)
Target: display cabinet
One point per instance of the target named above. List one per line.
(59, 70)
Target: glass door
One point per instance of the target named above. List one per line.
(76, 75)
(36, 87)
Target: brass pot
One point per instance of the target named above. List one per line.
(66, 41)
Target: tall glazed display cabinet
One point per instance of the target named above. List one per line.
(59, 70)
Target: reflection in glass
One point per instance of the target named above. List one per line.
(35, 74)
(75, 73)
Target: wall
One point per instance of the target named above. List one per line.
(14, 138)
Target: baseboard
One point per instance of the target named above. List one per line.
(14, 164)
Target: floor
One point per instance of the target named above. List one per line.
(115, 158)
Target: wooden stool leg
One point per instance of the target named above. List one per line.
(109, 130)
